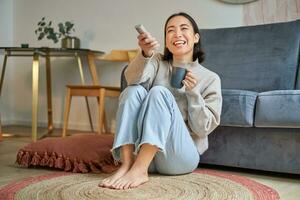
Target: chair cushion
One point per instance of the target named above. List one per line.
(238, 108)
(279, 108)
(79, 153)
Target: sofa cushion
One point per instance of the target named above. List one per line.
(280, 108)
(255, 58)
(238, 108)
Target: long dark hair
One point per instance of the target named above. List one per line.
(197, 53)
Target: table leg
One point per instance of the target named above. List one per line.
(2, 73)
(35, 93)
(1, 84)
(92, 67)
(49, 94)
(83, 82)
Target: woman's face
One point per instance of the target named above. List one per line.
(180, 38)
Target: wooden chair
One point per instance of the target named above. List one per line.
(89, 91)
(97, 90)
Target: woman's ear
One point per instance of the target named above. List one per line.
(197, 38)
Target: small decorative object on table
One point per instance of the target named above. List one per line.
(24, 45)
(64, 30)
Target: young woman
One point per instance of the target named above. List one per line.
(161, 129)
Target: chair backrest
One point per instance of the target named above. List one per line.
(123, 79)
(130, 56)
(120, 55)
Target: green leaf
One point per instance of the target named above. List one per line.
(41, 36)
(68, 24)
(51, 30)
(61, 28)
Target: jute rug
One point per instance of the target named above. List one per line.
(201, 184)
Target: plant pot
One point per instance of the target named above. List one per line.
(70, 43)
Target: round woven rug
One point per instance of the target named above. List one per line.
(201, 184)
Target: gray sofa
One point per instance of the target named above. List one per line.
(259, 68)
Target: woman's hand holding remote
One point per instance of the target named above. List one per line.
(147, 43)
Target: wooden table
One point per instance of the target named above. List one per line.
(47, 53)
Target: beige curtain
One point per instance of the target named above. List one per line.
(270, 11)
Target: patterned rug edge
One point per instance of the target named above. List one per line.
(255, 187)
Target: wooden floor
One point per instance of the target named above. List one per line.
(288, 186)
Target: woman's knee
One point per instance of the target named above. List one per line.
(133, 92)
(159, 91)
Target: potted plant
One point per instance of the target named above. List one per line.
(68, 41)
(65, 30)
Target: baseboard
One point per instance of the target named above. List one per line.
(72, 125)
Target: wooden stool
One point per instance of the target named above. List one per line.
(89, 91)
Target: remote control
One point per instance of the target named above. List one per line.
(140, 29)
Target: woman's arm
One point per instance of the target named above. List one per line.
(204, 110)
(142, 70)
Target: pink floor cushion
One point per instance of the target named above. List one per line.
(79, 153)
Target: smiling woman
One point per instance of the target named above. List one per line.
(237, 1)
(162, 128)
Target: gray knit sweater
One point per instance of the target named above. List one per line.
(200, 107)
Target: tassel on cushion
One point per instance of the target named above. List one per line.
(59, 162)
(19, 157)
(76, 166)
(25, 160)
(82, 167)
(45, 159)
(35, 159)
(109, 164)
(51, 161)
(93, 168)
(68, 165)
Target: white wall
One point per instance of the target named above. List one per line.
(101, 25)
(271, 11)
(6, 39)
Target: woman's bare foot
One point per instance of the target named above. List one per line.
(133, 178)
(109, 181)
(127, 159)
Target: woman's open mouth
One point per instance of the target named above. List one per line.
(179, 43)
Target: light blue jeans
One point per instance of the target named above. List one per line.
(154, 118)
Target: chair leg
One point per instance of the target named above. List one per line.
(101, 109)
(67, 112)
(105, 122)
